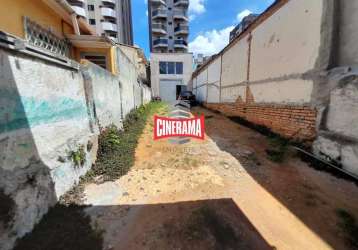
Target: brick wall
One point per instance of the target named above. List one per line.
(296, 122)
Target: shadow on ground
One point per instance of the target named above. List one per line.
(206, 224)
(316, 198)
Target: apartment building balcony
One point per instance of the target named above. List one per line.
(113, 2)
(158, 2)
(107, 26)
(180, 44)
(108, 12)
(180, 15)
(181, 30)
(161, 42)
(159, 28)
(184, 3)
(80, 3)
(157, 14)
(80, 11)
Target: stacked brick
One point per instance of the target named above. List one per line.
(289, 121)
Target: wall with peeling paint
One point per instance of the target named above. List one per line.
(298, 57)
(214, 74)
(282, 55)
(43, 118)
(234, 72)
(47, 112)
(201, 83)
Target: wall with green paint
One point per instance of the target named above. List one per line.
(46, 112)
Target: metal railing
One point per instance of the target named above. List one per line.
(184, 2)
(180, 14)
(160, 41)
(159, 13)
(159, 26)
(181, 28)
(180, 42)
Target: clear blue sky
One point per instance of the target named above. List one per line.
(211, 22)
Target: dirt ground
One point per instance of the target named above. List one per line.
(220, 193)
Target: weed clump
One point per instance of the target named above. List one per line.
(116, 150)
(79, 156)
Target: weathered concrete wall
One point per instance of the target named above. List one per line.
(147, 94)
(337, 140)
(294, 71)
(214, 73)
(282, 50)
(234, 72)
(348, 36)
(202, 84)
(48, 112)
(43, 118)
(126, 76)
(106, 94)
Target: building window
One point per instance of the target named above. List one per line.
(98, 59)
(41, 37)
(91, 7)
(170, 68)
(92, 21)
(162, 68)
(170, 23)
(179, 68)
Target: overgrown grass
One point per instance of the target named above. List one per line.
(78, 157)
(116, 150)
(349, 226)
(67, 226)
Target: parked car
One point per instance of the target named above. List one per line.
(157, 99)
(188, 96)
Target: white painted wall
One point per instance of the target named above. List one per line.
(214, 72)
(288, 52)
(201, 89)
(295, 91)
(106, 95)
(287, 42)
(233, 93)
(234, 68)
(283, 47)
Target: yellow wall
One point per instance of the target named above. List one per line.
(13, 11)
(11, 21)
(110, 53)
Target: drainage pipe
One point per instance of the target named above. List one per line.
(326, 162)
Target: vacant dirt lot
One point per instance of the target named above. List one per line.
(222, 193)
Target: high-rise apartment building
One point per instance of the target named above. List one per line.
(109, 17)
(246, 21)
(168, 24)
